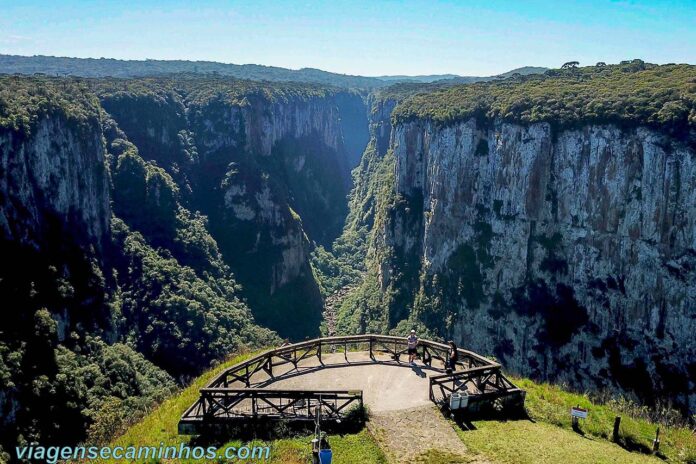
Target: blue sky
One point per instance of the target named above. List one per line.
(357, 37)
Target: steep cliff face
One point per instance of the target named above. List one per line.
(55, 178)
(570, 255)
(54, 228)
(270, 172)
(272, 177)
(54, 218)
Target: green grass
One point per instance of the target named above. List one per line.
(160, 426)
(348, 449)
(550, 439)
(525, 442)
(433, 456)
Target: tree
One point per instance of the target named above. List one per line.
(570, 65)
(600, 64)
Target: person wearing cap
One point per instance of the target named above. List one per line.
(412, 341)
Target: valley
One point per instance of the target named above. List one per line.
(151, 226)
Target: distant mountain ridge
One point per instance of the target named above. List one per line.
(110, 67)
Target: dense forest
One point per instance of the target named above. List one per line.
(629, 94)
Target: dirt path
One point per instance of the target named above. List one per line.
(419, 435)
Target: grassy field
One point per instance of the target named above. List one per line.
(550, 438)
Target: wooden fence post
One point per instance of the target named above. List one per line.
(615, 433)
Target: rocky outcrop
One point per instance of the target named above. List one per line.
(571, 256)
(287, 173)
(54, 219)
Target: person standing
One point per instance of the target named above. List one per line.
(452, 357)
(412, 341)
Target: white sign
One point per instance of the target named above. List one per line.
(579, 412)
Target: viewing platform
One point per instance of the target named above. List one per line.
(340, 373)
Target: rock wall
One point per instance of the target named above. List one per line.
(55, 178)
(569, 256)
(54, 220)
(271, 174)
(54, 228)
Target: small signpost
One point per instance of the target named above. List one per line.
(577, 413)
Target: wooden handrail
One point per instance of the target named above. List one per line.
(344, 339)
(271, 392)
(465, 373)
(222, 397)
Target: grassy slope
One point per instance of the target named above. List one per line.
(551, 440)
(548, 440)
(524, 442)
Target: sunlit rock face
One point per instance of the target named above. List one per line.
(53, 181)
(570, 256)
(54, 221)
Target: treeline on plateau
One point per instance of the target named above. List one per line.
(628, 94)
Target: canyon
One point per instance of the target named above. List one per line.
(181, 218)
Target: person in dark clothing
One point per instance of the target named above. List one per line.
(452, 357)
(412, 341)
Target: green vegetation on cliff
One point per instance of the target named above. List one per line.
(631, 93)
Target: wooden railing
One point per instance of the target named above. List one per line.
(474, 381)
(242, 374)
(236, 393)
(221, 404)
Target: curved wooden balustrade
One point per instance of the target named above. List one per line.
(238, 393)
